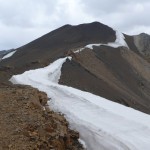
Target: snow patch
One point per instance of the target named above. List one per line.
(102, 124)
(120, 41)
(9, 55)
(82, 142)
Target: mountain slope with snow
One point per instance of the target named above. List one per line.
(104, 62)
(102, 124)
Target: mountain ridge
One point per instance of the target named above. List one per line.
(125, 70)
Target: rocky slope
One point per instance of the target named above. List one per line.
(142, 42)
(27, 124)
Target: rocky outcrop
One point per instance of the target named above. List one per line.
(142, 42)
(27, 124)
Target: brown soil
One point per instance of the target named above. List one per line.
(25, 125)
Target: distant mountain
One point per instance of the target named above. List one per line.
(104, 62)
(142, 42)
(5, 52)
(2, 53)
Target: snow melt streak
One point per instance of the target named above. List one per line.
(102, 124)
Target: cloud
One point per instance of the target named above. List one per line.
(123, 15)
(23, 21)
(12, 37)
(26, 13)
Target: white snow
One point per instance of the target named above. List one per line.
(102, 124)
(79, 50)
(82, 142)
(9, 55)
(120, 41)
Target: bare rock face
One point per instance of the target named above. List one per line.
(25, 125)
(142, 42)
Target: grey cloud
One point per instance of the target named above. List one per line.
(25, 13)
(99, 7)
(106, 6)
(23, 21)
(123, 15)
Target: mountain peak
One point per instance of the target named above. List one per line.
(144, 34)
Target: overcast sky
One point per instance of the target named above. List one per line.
(22, 21)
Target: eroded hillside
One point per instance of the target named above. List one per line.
(27, 124)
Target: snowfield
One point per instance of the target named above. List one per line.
(9, 55)
(102, 124)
